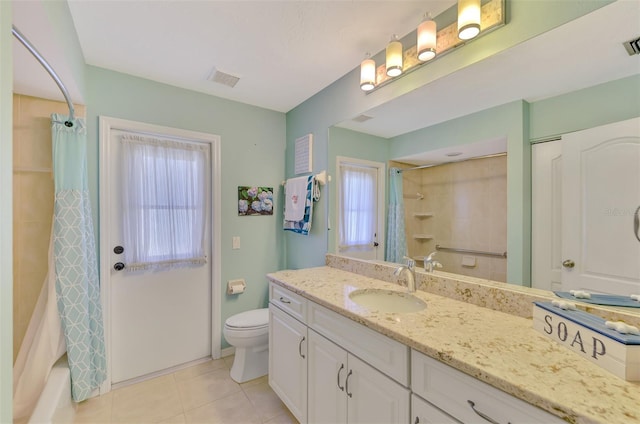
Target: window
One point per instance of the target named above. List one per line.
(164, 202)
(358, 206)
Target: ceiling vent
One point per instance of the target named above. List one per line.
(362, 118)
(632, 46)
(223, 78)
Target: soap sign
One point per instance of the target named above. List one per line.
(622, 360)
(564, 332)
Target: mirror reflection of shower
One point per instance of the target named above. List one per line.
(457, 199)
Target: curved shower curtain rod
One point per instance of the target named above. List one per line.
(49, 69)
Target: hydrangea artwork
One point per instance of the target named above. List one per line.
(255, 201)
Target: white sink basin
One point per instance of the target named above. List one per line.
(387, 300)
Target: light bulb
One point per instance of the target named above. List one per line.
(468, 19)
(368, 74)
(426, 45)
(394, 57)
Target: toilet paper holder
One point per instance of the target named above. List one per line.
(236, 286)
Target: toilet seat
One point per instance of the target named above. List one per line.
(255, 319)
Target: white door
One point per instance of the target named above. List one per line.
(360, 208)
(327, 373)
(155, 320)
(374, 397)
(546, 215)
(601, 187)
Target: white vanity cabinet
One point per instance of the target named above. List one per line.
(468, 399)
(327, 368)
(422, 412)
(344, 389)
(288, 350)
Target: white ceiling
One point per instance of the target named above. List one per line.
(282, 51)
(286, 51)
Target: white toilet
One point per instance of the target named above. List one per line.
(248, 332)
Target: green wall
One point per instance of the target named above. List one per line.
(591, 107)
(63, 30)
(6, 215)
(252, 153)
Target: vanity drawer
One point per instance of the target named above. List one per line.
(387, 355)
(465, 398)
(290, 302)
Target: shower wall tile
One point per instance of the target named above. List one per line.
(469, 205)
(37, 189)
(33, 193)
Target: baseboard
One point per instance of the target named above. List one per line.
(228, 351)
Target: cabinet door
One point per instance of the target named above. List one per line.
(374, 397)
(288, 363)
(327, 373)
(423, 412)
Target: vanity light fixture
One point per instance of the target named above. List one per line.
(432, 41)
(394, 57)
(368, 73)
(468, 19)
(426, 46)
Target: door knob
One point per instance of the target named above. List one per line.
(568, 263)
(118, 266)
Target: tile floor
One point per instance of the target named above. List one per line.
(204, 393)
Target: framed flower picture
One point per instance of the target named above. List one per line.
(254, 200)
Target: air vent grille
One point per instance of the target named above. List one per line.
(223, 78)
(362, 118)
(632, 46)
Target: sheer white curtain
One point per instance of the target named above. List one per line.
(164, 202)
(357, 207)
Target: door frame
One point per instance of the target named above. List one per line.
(546, 214)
(381, 189)
(106, 126)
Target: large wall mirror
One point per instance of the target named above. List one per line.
(485, 119)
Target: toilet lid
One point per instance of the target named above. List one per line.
(249, 319)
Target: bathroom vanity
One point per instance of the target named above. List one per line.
(332, 360)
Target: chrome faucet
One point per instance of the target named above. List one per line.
(430, 263)
(411, 274)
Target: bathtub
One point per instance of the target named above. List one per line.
(55, 404)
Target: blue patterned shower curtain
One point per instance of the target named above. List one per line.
(76, 270)
(396, 236)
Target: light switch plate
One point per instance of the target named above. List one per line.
(235, 243)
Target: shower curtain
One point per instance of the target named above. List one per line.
(396, 236)
(72, 282)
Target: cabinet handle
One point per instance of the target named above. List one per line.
(347, 383)
(636, 223)
(483, 416)
(284, 300)
(300, 347)
(339, 371)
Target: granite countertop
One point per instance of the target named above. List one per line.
(498, 348)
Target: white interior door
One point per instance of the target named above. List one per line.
(601, 187)
(368, 246)
(546, 215)
(155, 320)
